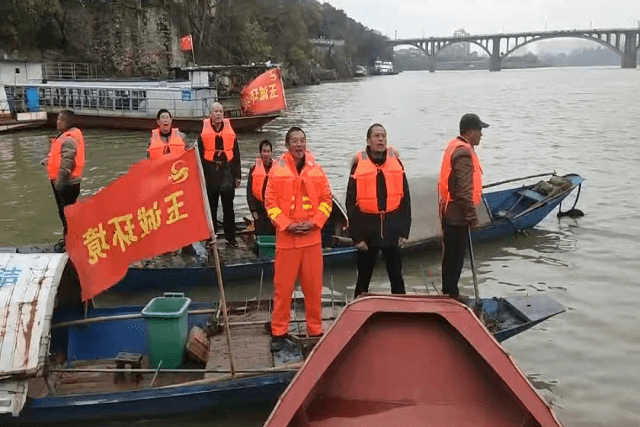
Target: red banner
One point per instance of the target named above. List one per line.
(157, 207)
(263, 95)
(186, 43)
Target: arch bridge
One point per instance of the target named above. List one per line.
(626, 42)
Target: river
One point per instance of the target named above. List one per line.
(569, 120)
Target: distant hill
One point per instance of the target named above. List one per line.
(141, 37)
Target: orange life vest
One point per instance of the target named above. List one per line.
(444, 194)
(157, 146)
(297, 197)
(366, 182)
(53, 164)
(258, 180)
(209, 139)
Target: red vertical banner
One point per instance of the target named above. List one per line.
(263, 95)
(159, 206)
(186, 43)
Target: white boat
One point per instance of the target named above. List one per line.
(383, 68)
(133, 103)
(360, 71)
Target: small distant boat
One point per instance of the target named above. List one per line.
(19, 117)
(360, 71)
(410, 361)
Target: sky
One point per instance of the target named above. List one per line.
(405, 19)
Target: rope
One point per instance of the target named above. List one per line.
(560, 213)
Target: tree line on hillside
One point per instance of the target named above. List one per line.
(224, 31)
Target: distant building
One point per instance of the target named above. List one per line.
(458, 51)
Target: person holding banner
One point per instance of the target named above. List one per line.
(220, 155)
(298, 201)
(165, 139)
(256, 186)
(65, 165)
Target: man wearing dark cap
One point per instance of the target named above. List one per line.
(459, 194)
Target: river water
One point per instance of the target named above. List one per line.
(569, 120)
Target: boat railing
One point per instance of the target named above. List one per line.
(112, 100)
(69, 70)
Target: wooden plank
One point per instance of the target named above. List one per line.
(14, 343)
(36, 323)
(250, 346)
(6, 294)
(27, 293)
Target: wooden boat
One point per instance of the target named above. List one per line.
(503, 212)
(410, 361)
(132, 104)
(62, 365)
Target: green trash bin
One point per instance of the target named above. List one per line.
(266, 246)
(167, 325)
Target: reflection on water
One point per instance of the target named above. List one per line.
(580, 120)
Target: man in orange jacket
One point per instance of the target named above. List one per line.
(459, 194)
(298, 202)
(166, 139)
(65, 165)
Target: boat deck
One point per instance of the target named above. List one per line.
(250, 344)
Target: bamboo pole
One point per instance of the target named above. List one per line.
(294, 366)
(506, 181)
(223, 299)
(100, 319)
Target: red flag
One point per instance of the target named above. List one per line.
(186, 43)
(157, 207)
(263, 95)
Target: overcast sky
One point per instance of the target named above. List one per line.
(418, 18)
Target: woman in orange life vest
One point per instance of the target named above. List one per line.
(379, 209)
(165, 139)
(298, 201)
(459, 194)
(220, 157)
(256, 186)
(65, 165)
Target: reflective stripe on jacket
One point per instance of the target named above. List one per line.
(175, 144)
(55, 160)
(444, 193)
(291, 197)
(366, 182)
(209, 135)
(258, 178)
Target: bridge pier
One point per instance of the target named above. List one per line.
(629, 58)
(432, 64)
(495, 54)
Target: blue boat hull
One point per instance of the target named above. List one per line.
(156, 402)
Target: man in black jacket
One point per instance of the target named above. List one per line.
(379, 209)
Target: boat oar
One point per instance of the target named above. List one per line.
(478, 303)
